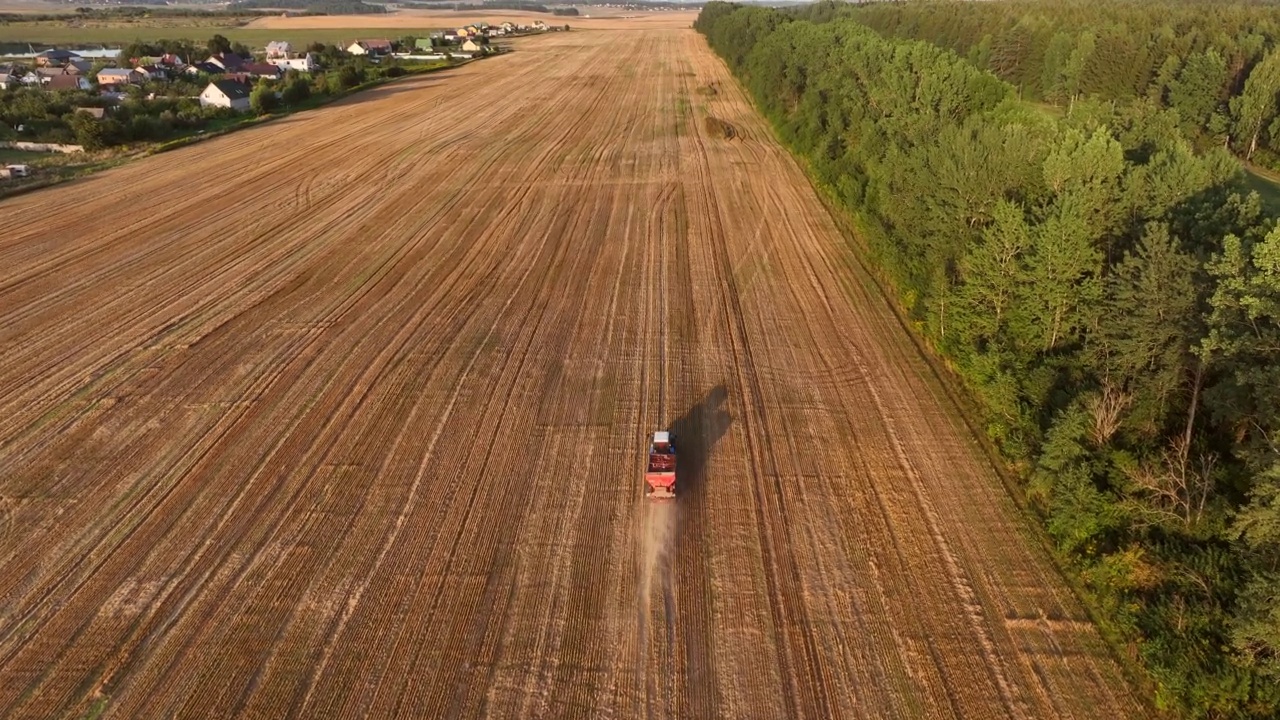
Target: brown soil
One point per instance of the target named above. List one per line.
(345, 416)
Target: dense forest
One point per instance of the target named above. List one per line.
(1192, 57)
(1051, 189)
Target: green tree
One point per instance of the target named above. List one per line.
(991, 274)
(296, 90)
(1153, 327)
(1063, 277)
(1256, 631)
(218, 44)
(263, 99)
(1245, 333)
(88, 131)
(1198, 89)
(1256, 105)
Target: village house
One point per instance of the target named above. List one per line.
(379, 46)
(55, 58)
(472, 46)
(151, 72)
(262, 70)
(226, 93)
(171, 62)
(279, 49)
(228, 62)
(307, 63)
(68, 82)
(204, 67)
(118, 76)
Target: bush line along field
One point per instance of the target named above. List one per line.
(1100, 280)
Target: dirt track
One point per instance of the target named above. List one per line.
(344, 416)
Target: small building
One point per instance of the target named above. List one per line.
(307, 63)
(207, 68)
(55, 58)
(227, 94)
(228, 62)
(170, 61)
(119, 76)
(279, 49)
(68, 82)
(379, 46)
(472, 46)
(8, 172)
(262, 70)
(151, 72)
(78, 67)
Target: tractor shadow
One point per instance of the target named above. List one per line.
(686, 578)
(696, 434)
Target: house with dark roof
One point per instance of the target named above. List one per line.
(207, 68)
(151, 72)
(229, 62)
(55, 58)
(68, 82)
(226, 93)
(262, 70)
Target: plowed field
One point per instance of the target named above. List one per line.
(345, 416)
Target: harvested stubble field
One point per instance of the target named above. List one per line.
(345, 416)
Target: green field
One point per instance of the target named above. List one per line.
(60, 34)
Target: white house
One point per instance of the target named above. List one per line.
(307, 63)
(226, 93)
(279, 49)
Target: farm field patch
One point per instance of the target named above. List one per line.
(345, 416)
